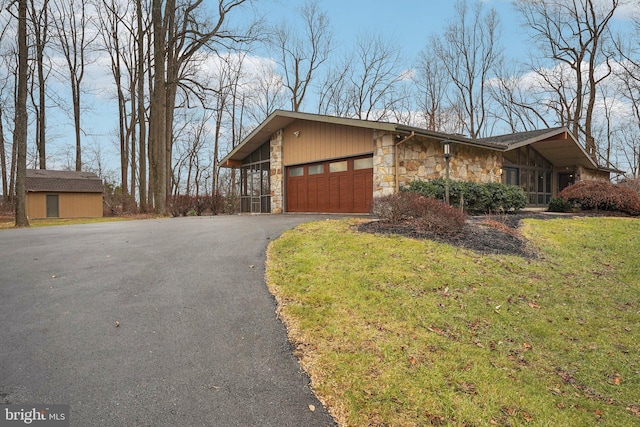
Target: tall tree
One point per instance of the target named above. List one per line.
(179, 35)
(268, 92)
(376, 74)
(39, 18)
(573, 38)
(140, 78)
(3, 161)
(366, 83)
(118, 34)
(470, 52)
(72, 22)
(158, 107)
(4, 82)
(511, 94)
(20, 130)
(301, 54)
(432, 83)
(627, 75)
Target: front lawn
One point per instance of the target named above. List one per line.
(402, 332)
(9, 222)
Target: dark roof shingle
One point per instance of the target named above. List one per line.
(63, 181)
(518, 137)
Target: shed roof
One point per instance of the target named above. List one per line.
(62, 181)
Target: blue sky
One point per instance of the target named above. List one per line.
(411, 22)
(407, 22)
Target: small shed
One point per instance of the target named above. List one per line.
(63, 194)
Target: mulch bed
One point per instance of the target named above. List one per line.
(482, 234)
(489, 234)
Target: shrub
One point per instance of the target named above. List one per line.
(429, 213)
(394, 208)
(557, 204)
(180, 205)
(437, 216)
(183, 205)
(472, 196)
(594, 195)
(217, 204)
(632, 183)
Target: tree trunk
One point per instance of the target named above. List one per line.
(75, 93)
(157, 123)
(20, 131)
(3, 163)
(141, 118)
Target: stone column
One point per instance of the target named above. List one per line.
(277, 174)
(384, 164)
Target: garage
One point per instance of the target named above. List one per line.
(337, 186)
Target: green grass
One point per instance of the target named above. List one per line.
(400, 332)
(7, 222)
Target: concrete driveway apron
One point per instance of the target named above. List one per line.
(198, 341)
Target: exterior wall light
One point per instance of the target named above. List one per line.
(447, 155)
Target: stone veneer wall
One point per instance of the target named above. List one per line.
(584, 174)
(425, 160)
(277, 173)
(383, 164)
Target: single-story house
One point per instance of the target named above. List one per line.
(300, 162)
(63, 194)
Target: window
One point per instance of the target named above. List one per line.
(255, 181)
(316, 169)
(299, 171)
(338, 166)
(511, 176)
(366, 163)
(536, 173)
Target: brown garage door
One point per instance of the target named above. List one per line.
(339, 186)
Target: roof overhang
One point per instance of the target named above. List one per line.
(560, 147)
(280, 119)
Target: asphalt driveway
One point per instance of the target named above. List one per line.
(198, 342)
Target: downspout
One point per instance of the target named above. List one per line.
(408, 138)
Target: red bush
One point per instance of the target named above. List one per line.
(394, 207)
(632, 183)
(438, 217)
(593, 195)
(428, 213)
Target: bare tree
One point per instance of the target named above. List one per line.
(39, 19)
(470, 51)
(191, 141)
(267, 91)
(376, 75)
(141, 31)
(629, 148)
(20, 130)
(334, 89)
(301, 54)
(512, 96)
(228, 74)
(158, 107)
(178, 36)
(117, 28)
(432, 83)
(627, 75)
(72, 23)
(367, 83)
(4, 82)
(573, 37)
